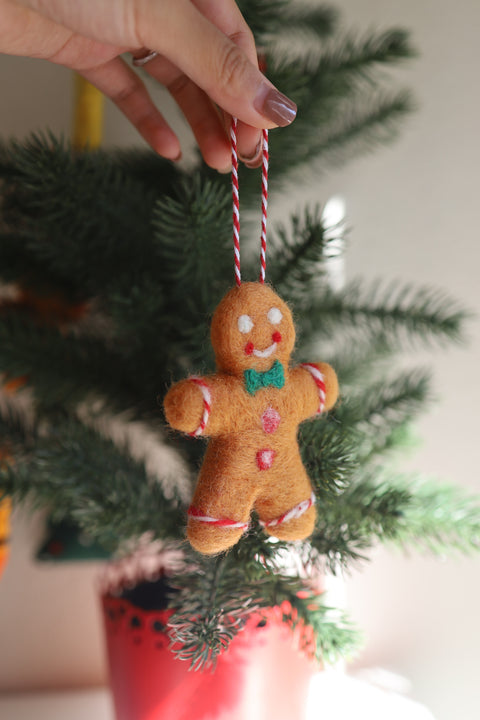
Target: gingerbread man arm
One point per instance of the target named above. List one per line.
(315, 388)
(206, 406)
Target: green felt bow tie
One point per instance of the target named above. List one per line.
(255, 380)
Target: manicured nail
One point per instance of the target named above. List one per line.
(278, 108)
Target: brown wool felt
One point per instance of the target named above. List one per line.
(252, 458)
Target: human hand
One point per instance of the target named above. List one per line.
(206, 59)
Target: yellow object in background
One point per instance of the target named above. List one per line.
(5, 512)
(87, 115)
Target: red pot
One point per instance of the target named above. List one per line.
(262, 676)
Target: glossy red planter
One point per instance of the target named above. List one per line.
(262, 676)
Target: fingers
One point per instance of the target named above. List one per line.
(214, 62)
(207, 41)
(226, 16)
(198, 109)
(118, 82)
(24, 33)
(207, 125)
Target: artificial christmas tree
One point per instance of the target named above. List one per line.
(145, 249)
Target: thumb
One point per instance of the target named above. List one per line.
(214, 62)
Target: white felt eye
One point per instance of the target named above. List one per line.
(274, 315)
(245, 323)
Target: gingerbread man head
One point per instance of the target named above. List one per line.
(251, 329)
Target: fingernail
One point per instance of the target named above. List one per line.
(278, 108)
(225, 170)
(253, 160)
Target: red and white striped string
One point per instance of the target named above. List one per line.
(263, 239)
(236, 203)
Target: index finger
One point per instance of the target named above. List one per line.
(226, 15)
(213, 61)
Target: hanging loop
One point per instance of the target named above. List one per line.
(263, 237)
(236, 203)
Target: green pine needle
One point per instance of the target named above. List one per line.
(330, 455)
(400, 314)
(439, 517)
(271, 20)
(406, 511)
(214, 609)
(384, 403)
(85, 478)
(299, 255)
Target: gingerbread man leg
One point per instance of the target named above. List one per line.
(286, 509)
(222, 503)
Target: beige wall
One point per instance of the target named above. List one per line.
(415, 215)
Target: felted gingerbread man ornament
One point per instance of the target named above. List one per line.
(251, 409)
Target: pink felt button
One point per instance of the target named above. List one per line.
(270, 420)
(265, 459)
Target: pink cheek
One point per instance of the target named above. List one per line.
(248, 348)
(276, 337)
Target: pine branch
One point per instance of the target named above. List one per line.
(338, 131)
(342, 99)
(360, 57)
(193, 240)
(62, 368)
(364, 514)
(330, 454)
(85, 478)
(343, 68)
(77, 210)
(334, 636)
(363, 126)
(17, 430)
(210, 613)
(406, 511)
(298, 255)
(199, 211)
(17, 265)
(439, 517)
(345, 104)
(377, 413)
(270, 20)
(400, 314)
(213, 609)
(141, 324)
(357, 360)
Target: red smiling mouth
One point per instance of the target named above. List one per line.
(250, 349)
